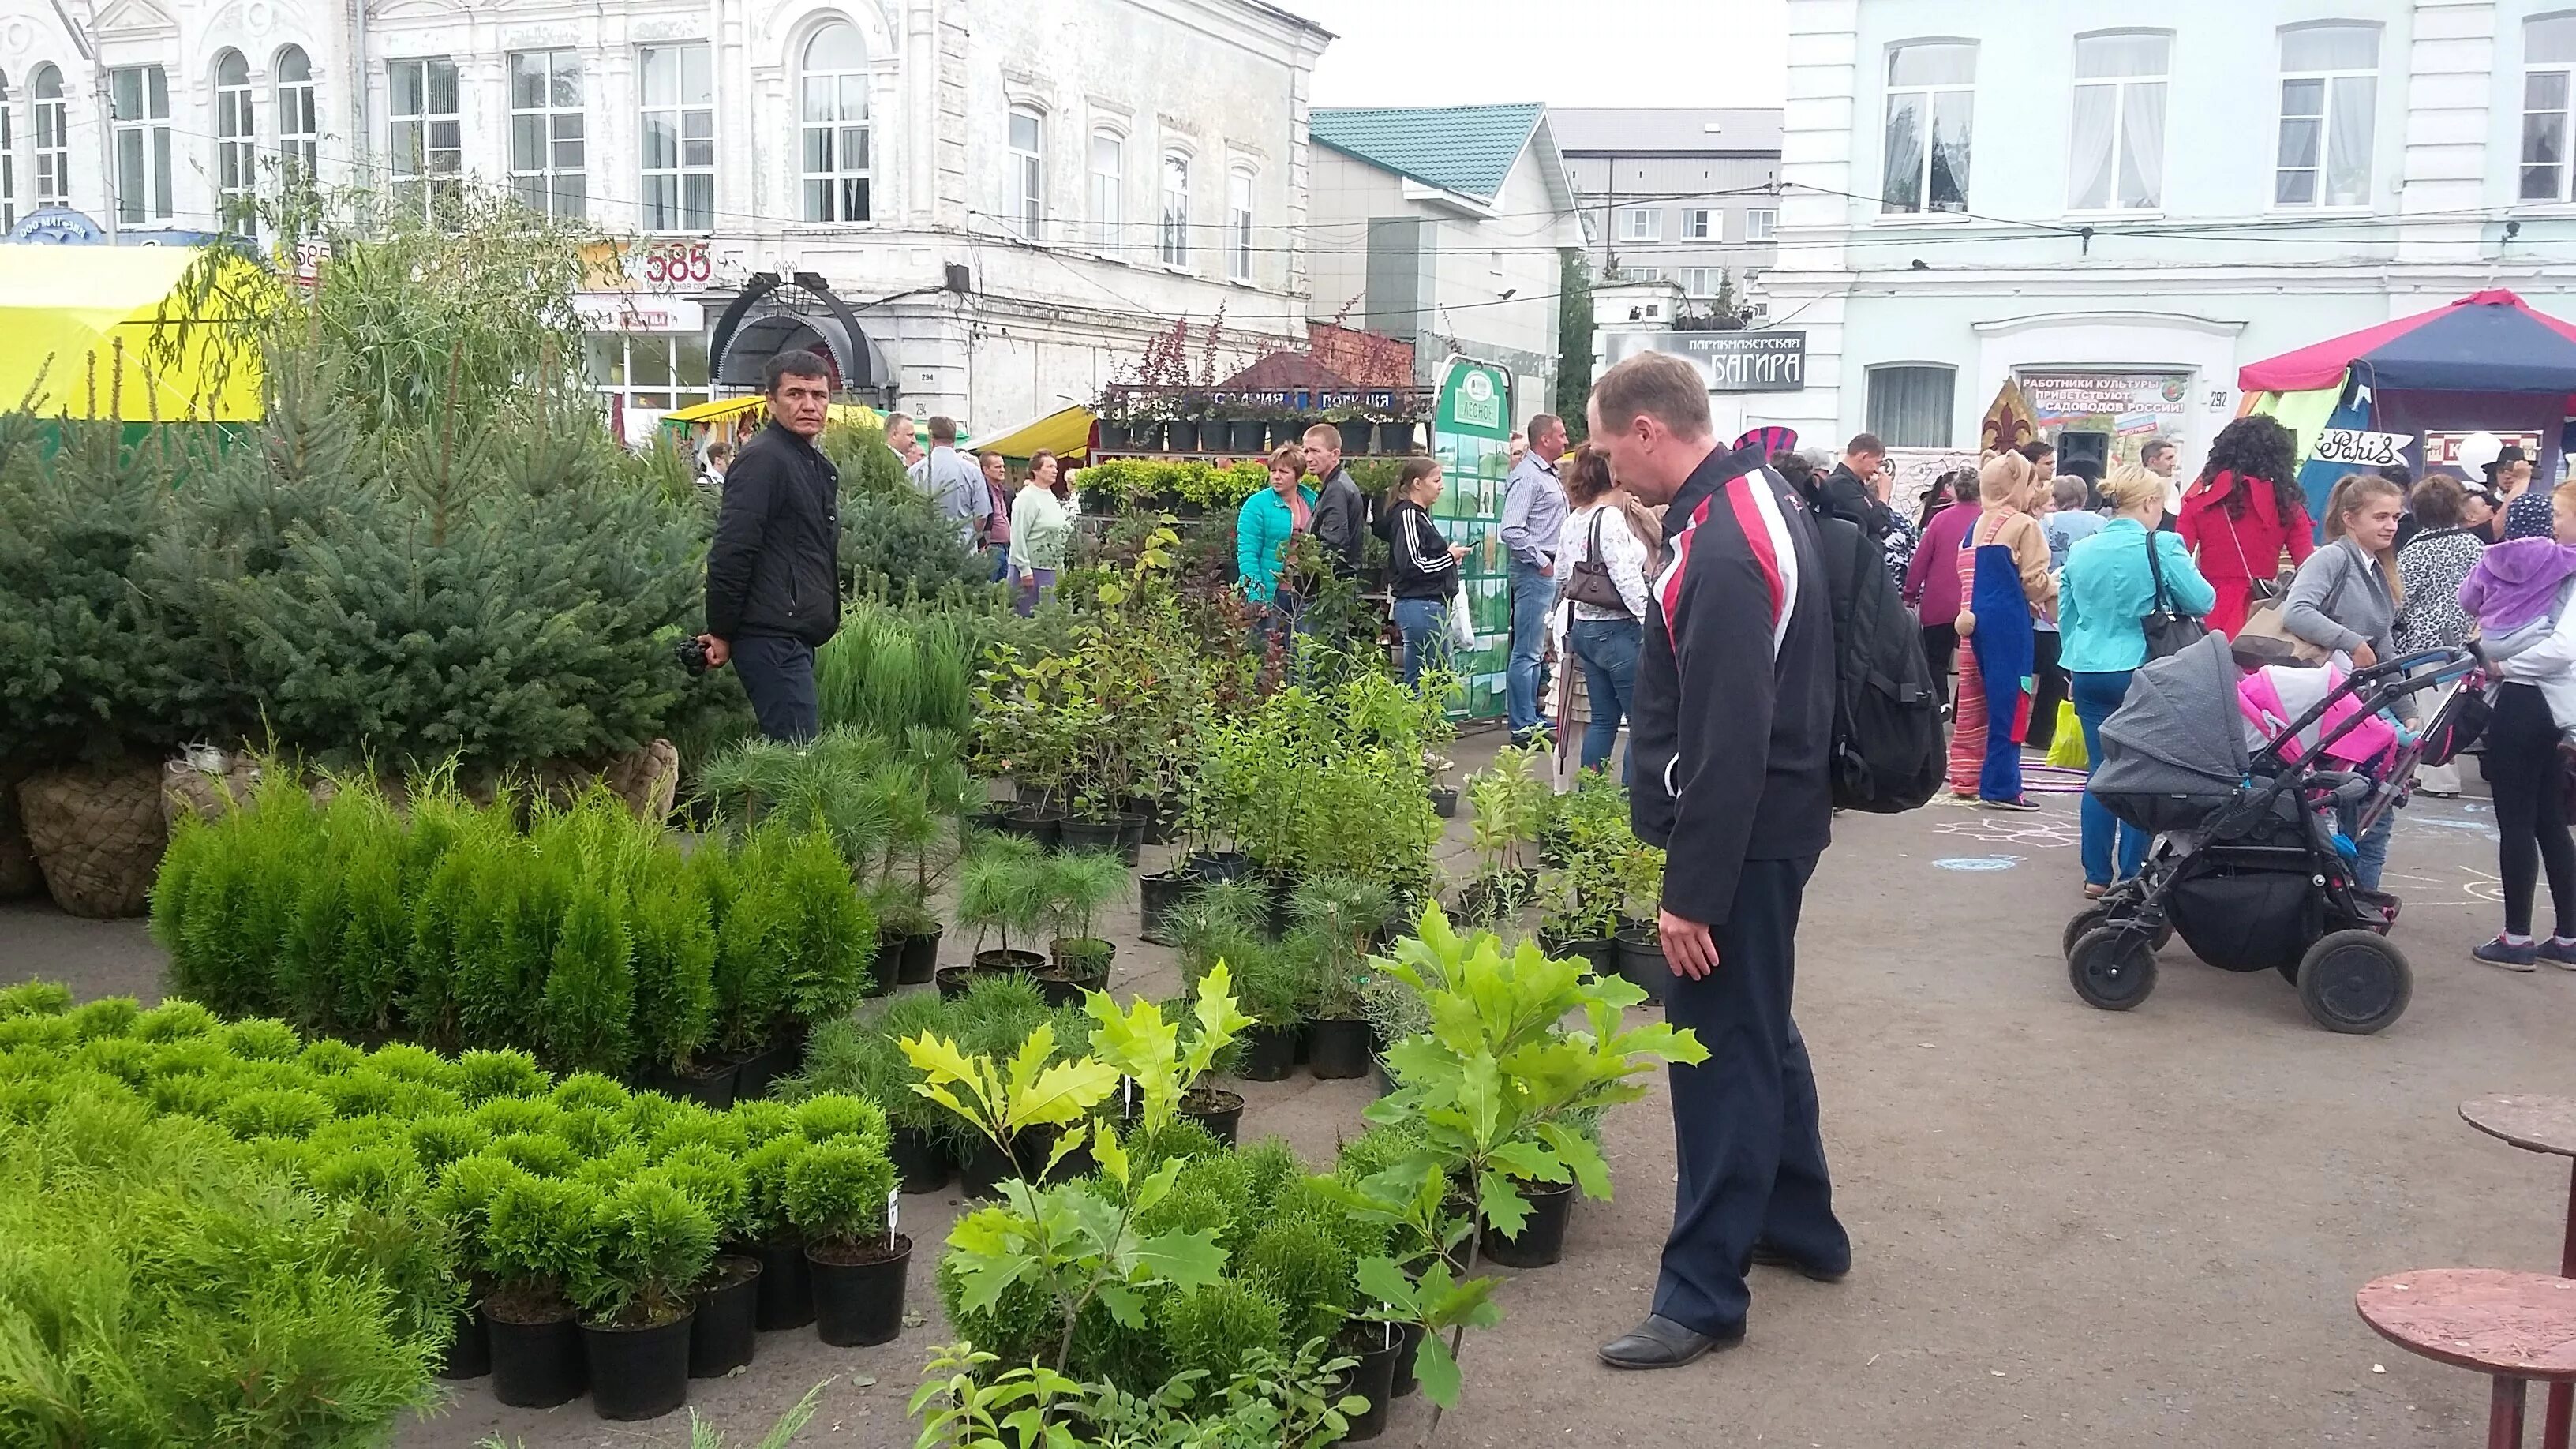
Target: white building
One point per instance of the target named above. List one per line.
(2121, 203)
(1673, 194)
(977, 208)
(1446, 227)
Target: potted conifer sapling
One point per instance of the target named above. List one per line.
(841, 1198)
(1079, 883)
(540, 1234)
(639, 1294)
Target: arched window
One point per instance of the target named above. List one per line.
(1175, 249)
(53, 139)
(8, 161)
(1108, 186)
(236, 145)
(835, 106)
(299, 130)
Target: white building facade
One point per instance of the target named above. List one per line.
(2119, 204)
(977, 208)
(1674, 195)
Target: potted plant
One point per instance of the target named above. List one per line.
(786, 1293)
(1394, 1012)
(1078, 885)
(638, 1295)
(725, 1328)
(1342, 915)
(539, 1235)
(1640, 942)
(1508, 800)
(1000, 889)
(1168, 1061)
(1355, 426)
(840, 1197)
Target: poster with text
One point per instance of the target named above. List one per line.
(1471, 436)
(2130, 406)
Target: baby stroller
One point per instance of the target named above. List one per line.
(2254, 866)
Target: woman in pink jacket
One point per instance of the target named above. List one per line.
(1932, 579)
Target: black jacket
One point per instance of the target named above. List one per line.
(1341, 522)
(775, 565)
(1734, 710)
(1418, 565)
(1845, 494)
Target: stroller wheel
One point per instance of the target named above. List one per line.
(2355, 982)
(2086, 921)
(2112, 968)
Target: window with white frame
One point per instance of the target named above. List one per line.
(428, 150)
(1026, 205)
(1931, 100)
(139, 105)
(299, 122)
(835, 82)
(1174, 247)
(1108, 188)
(236, 142)
(548, 148)
(1760, 223)
(679, 150)
(1909, 405)
(2329, 102)
(1636, 274)
(53, 138)
(1699, 223)
(8, 161)
(1641, 224)
(1238, 222)
(653, 371)
(2549, 72)
(2116, 147)
(1702, 281)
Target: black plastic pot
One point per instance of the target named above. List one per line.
(1113, 439)
(954, 980)
(1355, 434)
(1380, 1076)
(1157, 896)
(1283, 897)
(1641, 960)
(1337, 1050)
(469, 1350)
(709, 1085)
(985, 1170)
(1025, 793)
(1218, 1110)
(1396, 439)
(1408, 1342)
(1444, 802)
(1218, 865)
(860, 1303)
(920, 958)
(993, 819)
(1246, 435)
(920, 1161)
(726, 1327)
(1056, 988)
(1599, 952)
(1087, 835)
(888, 961)
(1013, 960)
(1269, 1053)
(752, 1079)
(786, 1293)
(638, 1373)
(1542, 1239)
(535, 1365)
(1131, 836)
(1041, 823)
(1373, 1379)
(1144, 437)
(1181, 435)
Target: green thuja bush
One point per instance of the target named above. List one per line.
(836, 1195)
(1300, 1264)
(673, 937)
(767, 1171)
(654, 1243)
(1218, 1327)
(589, 1001)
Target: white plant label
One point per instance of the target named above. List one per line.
(893, 1204)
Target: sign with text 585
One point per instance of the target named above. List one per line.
(652, 264)
(2359, 449)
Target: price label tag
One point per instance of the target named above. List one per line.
(893, 1206)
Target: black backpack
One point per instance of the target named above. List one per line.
(1888, 754)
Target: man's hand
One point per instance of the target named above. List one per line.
(1547, 570)
(719, 653)
(1688, 947)
(2363, 656)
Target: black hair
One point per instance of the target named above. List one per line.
(2399, 474)
(797, 363)
(2258, 449)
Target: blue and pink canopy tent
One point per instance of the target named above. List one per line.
(2487, 361)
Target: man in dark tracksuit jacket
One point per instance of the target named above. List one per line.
(774, 569)
(1733, 718)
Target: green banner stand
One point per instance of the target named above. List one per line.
(1471, 432)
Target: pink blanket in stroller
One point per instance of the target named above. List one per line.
(2273, 696)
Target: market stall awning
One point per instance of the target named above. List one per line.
(126, 332)
(1066, 433)
(2490, 342)
(724, 409)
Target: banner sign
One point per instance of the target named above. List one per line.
(2130, 406)
(2358, 449)
(1765, 361)
(1474, 426)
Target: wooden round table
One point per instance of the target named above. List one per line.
(2514, 1327)
(2548, 1125)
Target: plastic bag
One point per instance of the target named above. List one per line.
(1462, 630)
(2066, 747)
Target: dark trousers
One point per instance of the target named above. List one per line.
(1750, 1162)
(1940, 644)
(2521, 764)
(2050, 690)
(778, 674)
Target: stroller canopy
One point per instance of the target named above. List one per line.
(2179, 736)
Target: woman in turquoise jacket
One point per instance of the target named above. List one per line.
(2102, 607)
(1262, 530)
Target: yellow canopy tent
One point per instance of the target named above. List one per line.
(726, 409)
(101, 331)
(1065, 433)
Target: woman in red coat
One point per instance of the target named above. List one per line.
(2244, 510)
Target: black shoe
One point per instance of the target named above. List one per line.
(1660, 1343)
(1767, 1256)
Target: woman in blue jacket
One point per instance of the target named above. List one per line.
(2103, 603)
(1269, 520)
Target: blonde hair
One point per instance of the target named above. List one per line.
(2132, 486)
(2352, 493)
(2006, 478)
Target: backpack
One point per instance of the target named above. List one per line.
(1888, 754)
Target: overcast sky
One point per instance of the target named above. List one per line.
(1619, 53)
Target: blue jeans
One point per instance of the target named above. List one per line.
(1000, 554)
(1425, 625)
(1607, 649)
(2370, 852)
(2096, 697)
(1533, 594)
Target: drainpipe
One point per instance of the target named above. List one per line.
(355, 12)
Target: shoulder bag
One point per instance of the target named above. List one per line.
(2168, 631)
(1590, 582)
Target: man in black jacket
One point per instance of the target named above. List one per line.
(1848, 491)
(1733, 718)
(1341, 514)
(774, 570)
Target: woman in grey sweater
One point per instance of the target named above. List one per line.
(2346, 598)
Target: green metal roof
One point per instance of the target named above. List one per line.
(1466, 149)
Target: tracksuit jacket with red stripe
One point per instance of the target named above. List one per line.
(1734, 707)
